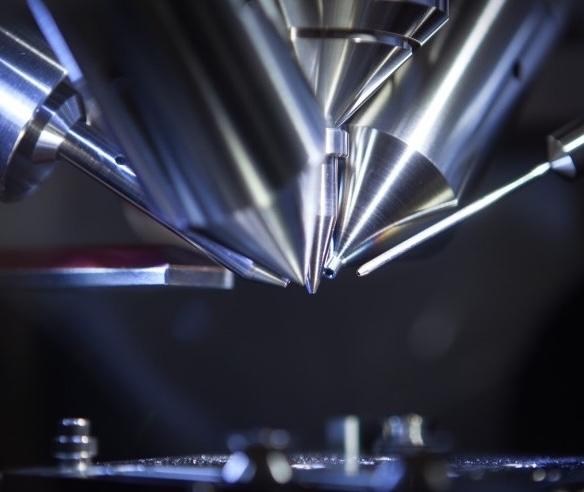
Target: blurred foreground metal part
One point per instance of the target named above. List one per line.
(262, 463)
(110, 267)
(74, 447)
(418, 141)
(403, 460)
(337, 150)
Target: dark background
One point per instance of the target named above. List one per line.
(483, 335)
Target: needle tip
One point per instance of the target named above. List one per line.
(332, 266)
(263, 275)
(312, 288)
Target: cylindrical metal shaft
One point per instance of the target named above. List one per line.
(94, 155)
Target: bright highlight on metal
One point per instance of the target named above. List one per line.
(281, 138)
(452, 220)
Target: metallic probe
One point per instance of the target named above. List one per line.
(565, 156)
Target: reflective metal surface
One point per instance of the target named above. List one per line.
(326, 216)
(74, 447)
(418, 141)
(566, 157)
(226, 144)
(568, 142)
(43, 120)
(337, 149)
(452, 220)
(27, 80)
(110, 267)
(348, 48)
(218, 121)
(93, 155)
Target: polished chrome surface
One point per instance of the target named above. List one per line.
(326, 217)
(43, 121)
(326, 213)
(345, 433)
(226, 145)
(110, 267)
(348, 48)
(566, 157)
(337, 142)
(93, 155)
(418, 141)
(452, 220)
(384, 181)
(27, 80)
(404, 432)
(218, 121)
(567, 142)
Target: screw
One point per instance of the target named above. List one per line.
(258, 459)
(74, 447)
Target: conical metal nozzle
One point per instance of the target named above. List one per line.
(324, 224)
(454, 219)
(419, 141)
(274, 234)
(385, 183)
(50, 126)
(348, 48)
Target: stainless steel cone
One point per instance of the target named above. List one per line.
(272, 234)
(348, 48)
(418, 141)
(343, 73)
(218, 121)
(384, 183)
